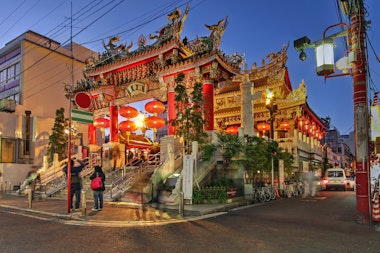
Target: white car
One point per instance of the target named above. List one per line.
(335, 178)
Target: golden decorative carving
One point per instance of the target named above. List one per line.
(217, 32)
(214, 70)
(298, 94)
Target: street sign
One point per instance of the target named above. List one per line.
(82, 116)
(187, 172)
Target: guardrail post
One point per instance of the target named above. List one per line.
(7, 186)
(30, 197)
(83, 202)
(181, 206)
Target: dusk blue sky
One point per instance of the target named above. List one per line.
(255, 28)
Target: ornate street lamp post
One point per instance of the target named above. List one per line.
(272, 107)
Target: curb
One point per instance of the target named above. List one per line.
(71, 219)
(77, 218)
(55, 215)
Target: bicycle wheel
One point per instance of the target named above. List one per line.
(300, 191)
(267, 194)
(261, 196)
(288, 192)
(272, 193)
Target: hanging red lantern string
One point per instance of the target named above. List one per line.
(284, 125)
(128, 112)
(155, 107)
(232, 129)
(154, 122)
(127, 126)
(263, 127)
(102, 123)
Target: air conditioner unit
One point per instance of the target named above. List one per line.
(7, 105)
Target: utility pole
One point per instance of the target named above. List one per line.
(356, 38)
(359, 75)
(69, 204)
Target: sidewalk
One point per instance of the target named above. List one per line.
(113, 213)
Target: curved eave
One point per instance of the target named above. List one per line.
(287, 79)
(134, 58)
(198, 61)
(313, 115)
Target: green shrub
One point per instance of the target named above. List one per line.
(210, 193)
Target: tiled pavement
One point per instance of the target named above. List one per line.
(113, 213)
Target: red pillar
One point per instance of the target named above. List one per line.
(114, 137)
(361, 118)
(171, 110)
(91, 134)
(208, 99)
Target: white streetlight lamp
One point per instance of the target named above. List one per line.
(324, 51)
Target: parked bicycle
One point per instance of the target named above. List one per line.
(259, 194)
(270, 192)
(289, 190)
(299, 188)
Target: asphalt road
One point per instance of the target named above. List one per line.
(321, 225)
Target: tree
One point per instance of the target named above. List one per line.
(251, 153)
(189, 122)
(256, 152)
(232, 148)
(58, 138)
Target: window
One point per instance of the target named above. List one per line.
(3, 76)
(10, 73)
(17, 70)
(335, 174)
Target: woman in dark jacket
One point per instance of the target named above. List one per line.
(98, 193)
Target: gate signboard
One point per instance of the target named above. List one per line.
(82, 116)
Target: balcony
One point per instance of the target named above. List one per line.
(7, 105)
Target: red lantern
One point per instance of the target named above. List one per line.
(155, 106)
(102, 123)
(128, 112)
(284, 125)
(317, 134)
(154, 122)
(232, 129)
(127, 126)
(263, 126)
(300, 124)
(306, 125)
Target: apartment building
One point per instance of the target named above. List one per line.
(33, 71)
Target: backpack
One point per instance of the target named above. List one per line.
(97, 182)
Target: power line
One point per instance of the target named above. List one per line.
(55, 50)
(29, 47)
(166, 11)
(49, 13)
(10, 14)
(147, 18)
(10, 28)
(64, 25)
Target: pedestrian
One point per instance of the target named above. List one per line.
(76, 182)
(98, 193)
(30, 181)
(163, 200)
